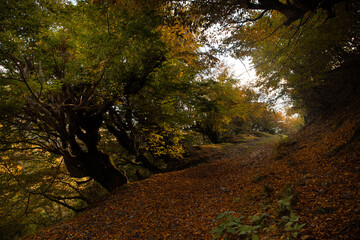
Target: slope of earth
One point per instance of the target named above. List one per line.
(320, 165)
(323, 164)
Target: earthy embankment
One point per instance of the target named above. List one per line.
(321, 165)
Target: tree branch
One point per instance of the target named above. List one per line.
(62, 203)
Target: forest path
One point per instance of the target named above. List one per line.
(176, 205)
(319, 168)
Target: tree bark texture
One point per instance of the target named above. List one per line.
(97, 166)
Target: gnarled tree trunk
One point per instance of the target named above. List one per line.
(97, 166)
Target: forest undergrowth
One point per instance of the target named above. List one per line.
(320, 166)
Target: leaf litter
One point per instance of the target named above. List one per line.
(321, 164)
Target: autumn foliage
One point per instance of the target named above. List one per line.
(96, 96)
(320, 165)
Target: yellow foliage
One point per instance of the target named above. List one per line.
(164, 142)
(181, 43)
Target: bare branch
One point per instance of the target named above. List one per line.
(63, 203)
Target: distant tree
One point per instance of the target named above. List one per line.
(217, 101)
(224, 109)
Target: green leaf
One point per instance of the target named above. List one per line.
(255, 237)
(288, 223)
(294, 234)
(297, 226)
(288, 228)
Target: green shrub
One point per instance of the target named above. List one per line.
(287, 222)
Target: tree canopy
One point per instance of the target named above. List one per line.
(112, 91)
(298, 48)
(240, 12)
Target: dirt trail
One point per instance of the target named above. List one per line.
(176, 205)
(320, 164)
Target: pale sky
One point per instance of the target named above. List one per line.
(247, 76)
(241, 69)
